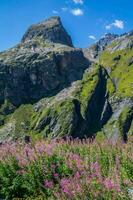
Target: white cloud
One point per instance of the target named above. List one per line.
(117, 23)
(55, 12)
(92, 37)
(77, 12)
(78, 1)
(64, 9)
(108, 27)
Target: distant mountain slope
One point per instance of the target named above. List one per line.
(50, 88)
(93, 51)
(117, 59)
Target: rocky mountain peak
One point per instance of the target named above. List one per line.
(51, 29)
(93, 51)
(109, 37)
(130, 33)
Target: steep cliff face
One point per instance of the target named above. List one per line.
(49, 88)
(75, 111)
(37, 67)
(51, 30)
(28, 76)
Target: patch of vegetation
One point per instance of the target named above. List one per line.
(121, 71)
(87, 88)
(110, 87)
(56, 120)
(125, 120)
(22, 118)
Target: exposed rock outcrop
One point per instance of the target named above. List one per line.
(38, 67)
(51, 30)
(92, 52)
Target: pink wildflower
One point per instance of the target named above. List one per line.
(48, 184)
(110, 185)
(40, 147)
(21, 172)
(56, 175)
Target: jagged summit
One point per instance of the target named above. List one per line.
(41, 65)
(93, 51)
(51, 29)
(104, 41)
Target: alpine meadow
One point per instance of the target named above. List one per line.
(66, 113)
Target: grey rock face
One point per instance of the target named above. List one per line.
(122, 43)
(118, 125)
(106, 113)
(40, 75)
(51, 30)
(38, 68)
(92, 52)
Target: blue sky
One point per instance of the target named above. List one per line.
(85, 20)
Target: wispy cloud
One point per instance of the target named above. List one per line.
(92, 37)
(55, 12)
(78, 1)
(117, 23)
(77, 12)
(64, 9)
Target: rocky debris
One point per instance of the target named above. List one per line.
(51, 30)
